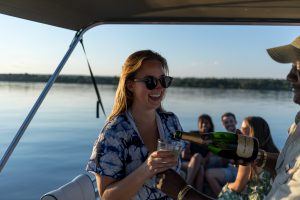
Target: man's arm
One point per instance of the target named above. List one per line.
(172, 184)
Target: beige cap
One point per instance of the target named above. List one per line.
(286, 54)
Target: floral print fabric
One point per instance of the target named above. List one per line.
(257, 189)
(119, 150)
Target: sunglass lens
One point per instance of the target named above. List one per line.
(151, 82)
(166, 81)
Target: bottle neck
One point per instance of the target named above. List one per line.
(191, 137)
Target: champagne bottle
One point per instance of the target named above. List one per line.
(225, 144)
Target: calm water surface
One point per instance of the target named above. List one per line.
(58, 142)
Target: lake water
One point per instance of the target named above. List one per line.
(58, 142)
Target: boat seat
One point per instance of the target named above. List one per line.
(80, 188)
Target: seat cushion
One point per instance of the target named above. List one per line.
(80, 188)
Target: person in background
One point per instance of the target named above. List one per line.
(229, 122)
(205, 124)
(124, 157)
(252, 182)
(218, 177)
(200, 158)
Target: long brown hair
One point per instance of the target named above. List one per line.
(124, 98)
(259, 129)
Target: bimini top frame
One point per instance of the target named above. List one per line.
(77, 14)
(81, 15)
(19, 134)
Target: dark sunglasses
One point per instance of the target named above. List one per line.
(151, 81)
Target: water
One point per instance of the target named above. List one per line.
(58, 142)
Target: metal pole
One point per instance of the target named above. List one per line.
(42, 96)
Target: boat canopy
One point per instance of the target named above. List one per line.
(78, 14)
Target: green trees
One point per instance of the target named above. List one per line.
(233, 83)
(222, 83)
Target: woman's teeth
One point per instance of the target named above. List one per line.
(154, 95)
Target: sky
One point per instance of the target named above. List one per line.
(191, 50)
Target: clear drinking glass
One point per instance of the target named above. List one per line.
(173, 146)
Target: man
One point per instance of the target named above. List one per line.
(287, 170)
(287, 181)
(229, 122)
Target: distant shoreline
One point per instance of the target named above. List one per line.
(221, 83)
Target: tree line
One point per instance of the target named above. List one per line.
(221, 83)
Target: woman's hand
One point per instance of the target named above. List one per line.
(159, 161)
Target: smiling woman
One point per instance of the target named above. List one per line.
(124, 158)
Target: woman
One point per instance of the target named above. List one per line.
(205, 124)
(252, 182)
(124, 158)
(199, 158)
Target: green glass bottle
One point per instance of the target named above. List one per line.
(225, 144)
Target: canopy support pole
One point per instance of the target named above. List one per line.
(42, 96)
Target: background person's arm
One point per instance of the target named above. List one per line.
(186, 153)
(242, 179)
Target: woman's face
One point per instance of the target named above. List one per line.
(245, 129)
(204, 126)
(142, 96)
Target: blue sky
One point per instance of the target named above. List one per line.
(191, 50)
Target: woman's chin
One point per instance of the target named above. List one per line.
(152, 105)
(155, 103)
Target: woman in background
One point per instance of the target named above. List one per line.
(252, 182)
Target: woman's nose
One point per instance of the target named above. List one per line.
(159, 86)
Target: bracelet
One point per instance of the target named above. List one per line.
(260, 157)
(264, 159)
(183, 192)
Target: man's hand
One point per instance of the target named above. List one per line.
(170, 183)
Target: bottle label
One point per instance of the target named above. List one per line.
(245, 146)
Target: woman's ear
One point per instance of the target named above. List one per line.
(129, 85)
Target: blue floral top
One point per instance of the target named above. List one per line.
(119, 150)
(256, 189)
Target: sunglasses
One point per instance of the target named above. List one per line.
(151, 81)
